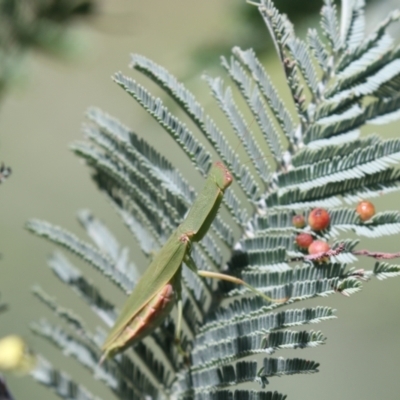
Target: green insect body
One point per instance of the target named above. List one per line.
(152, 298)
(150, 301)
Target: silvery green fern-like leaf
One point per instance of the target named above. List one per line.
(229, 350)
(88, 252)
(263, 80)
(353, 29)
(60, 382)
(70, 275)
(369, 42)
(385, 270)
(225, 324)
(253, 98)
(197, 114)
(236, 395)
(180, 132)
(227, 104)
(329, 23)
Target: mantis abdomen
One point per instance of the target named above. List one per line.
(149, 318)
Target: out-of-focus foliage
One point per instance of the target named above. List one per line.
(15, 355)
(4, 174)
(35, 24)
(4, 392)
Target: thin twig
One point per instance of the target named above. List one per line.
(322, 256)
(376, 254)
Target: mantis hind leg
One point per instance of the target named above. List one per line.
(216, 275)
(238, 281)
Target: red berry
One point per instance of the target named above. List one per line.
(298, 221)
(319, 219)
(304, 240)
(318, 246)
(365, 209)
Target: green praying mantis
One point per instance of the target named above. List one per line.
(152, 299)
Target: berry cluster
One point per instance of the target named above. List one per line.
(319, 220)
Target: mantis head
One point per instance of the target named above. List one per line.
(223, 178)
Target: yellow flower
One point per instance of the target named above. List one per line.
(15, 355)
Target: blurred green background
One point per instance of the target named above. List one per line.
(43, 113)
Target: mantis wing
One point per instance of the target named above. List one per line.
(161, 271)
